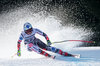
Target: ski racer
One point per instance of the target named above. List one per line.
(35, 44)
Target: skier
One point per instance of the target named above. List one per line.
(35, 44)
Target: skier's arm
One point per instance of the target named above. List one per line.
(18, 45)
(43, 34)
(47, 38)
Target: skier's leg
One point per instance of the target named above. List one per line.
(35, 48)
(46, 54)
(53, 49)
(59, 51)
(41, 44)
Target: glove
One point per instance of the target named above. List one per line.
(19, 53)
(48, 42)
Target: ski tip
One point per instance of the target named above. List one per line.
(77, 56)
(53, 57)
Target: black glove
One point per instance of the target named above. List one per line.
(49, 42)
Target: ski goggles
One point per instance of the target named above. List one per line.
(29, 30)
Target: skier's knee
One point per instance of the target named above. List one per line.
(30, 45)
(29, 48)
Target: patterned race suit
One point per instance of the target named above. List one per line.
(35, 44)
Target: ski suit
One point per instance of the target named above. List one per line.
(35, 44)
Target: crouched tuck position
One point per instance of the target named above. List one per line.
(35, 44)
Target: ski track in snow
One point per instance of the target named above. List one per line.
(89, 57)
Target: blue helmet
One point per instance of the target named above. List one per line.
(27, 26)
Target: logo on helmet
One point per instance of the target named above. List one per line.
(27, 26)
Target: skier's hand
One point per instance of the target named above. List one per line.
(48, 42)
(19, 53)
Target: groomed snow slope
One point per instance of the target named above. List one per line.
(89, 57)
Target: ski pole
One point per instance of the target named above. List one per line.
(13, 55)
(74, 40)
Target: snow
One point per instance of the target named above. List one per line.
(51, 25)
(88, 52)
(89, 57)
